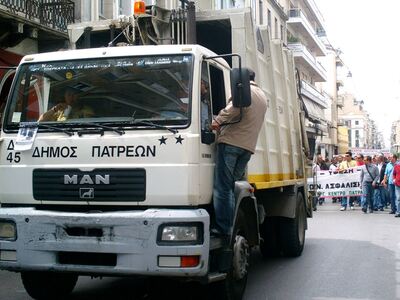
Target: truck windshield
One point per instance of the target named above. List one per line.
(105, 90)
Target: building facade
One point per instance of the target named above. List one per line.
(395, 137)
(353, 116)
(305, 28)
(28, 27)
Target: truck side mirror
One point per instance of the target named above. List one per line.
(240, 87)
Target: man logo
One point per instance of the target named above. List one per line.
(87, 179)
(86, 193)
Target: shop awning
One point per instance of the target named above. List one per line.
(315, 111)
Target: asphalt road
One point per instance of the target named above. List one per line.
(348, 255)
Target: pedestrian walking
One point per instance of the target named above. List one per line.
(380, 192)
(369, 177)
(396, 181)
(347, 163)
(360, 162)
(388, 182)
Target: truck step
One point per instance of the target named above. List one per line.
(214, 277)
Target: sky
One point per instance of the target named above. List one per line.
(367, 34)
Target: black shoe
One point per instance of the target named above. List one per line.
(375, 209)
(397, 216)
(364, 210)
(382, 209)
(392, 213)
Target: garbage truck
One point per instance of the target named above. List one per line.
(119, 182)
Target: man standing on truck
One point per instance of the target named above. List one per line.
(236, 144)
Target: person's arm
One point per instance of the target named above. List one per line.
(52, 114)
(377, 176)
(385, 179)
(362, 175)
(228, 114)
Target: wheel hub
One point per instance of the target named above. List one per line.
(241, 254)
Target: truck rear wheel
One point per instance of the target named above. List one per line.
(48, 285)
(292, 231)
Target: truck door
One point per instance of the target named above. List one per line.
(212, 95)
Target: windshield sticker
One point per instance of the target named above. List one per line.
(46, 67)
(16, 117)
(26, 136)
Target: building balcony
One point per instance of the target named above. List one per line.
(304, 58)
(312, 93)
(34, 16)
(314, 101)
(317, 14)
(298, 23)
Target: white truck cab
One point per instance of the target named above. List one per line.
(107, 162)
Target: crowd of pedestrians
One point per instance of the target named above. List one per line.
(379, 178)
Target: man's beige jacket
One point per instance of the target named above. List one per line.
(245, 133)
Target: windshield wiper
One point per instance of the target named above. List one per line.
(66, 131)
(119, 131)
(149, 123)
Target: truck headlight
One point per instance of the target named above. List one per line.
(8, 230)
(180, 233)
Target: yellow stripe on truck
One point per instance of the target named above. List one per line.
(267, 181)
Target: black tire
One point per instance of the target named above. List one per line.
(292, 231)
(233, 288)
(269, 231)
(48, 285)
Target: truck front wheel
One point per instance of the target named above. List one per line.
(232, 288)
(48, 285)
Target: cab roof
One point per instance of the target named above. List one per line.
(122, 51)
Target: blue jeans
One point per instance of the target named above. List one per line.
(368, 192)
(379, 197)
(392, 197)
(362, 201)
(230, 166)
(351, 201)
(397, 191)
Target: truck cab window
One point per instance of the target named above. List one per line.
(217, 89)
(205, 99)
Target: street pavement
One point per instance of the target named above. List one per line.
(348, 255)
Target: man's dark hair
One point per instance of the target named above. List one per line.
(395, 156)
(252, 75)
(349, 153)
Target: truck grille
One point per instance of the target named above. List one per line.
(96, 185)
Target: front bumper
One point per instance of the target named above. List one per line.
(128, 238)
